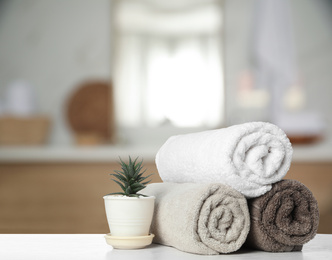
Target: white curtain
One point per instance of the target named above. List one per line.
(167, 65)
(273, 51)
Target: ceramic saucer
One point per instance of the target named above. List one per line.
(129, 242)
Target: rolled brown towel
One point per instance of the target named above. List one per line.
(283, 219)
(204, 219)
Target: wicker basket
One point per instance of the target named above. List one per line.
(24, 131)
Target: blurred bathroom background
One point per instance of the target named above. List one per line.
(84, 82)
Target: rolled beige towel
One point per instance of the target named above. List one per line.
(197, 218)
(284, 218)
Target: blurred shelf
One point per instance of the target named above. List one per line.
(319, 152)
(46, 154)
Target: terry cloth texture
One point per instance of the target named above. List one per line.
(204, 219)
(283, 219)
(248, 157)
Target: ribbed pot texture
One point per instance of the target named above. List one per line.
(129, 216)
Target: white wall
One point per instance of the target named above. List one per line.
(238, 16)
(312, 20)
(54, 45)
(313, 31)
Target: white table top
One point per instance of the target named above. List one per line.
(94, 247)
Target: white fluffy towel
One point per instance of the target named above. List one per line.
(249, 157)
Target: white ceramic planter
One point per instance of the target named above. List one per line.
(129, 216)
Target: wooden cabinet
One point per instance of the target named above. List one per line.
(56, 198)
(67, 197)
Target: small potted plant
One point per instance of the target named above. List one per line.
(129, 213)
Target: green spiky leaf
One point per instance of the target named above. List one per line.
(116, 193)
(120, 173)
(139, 194)
(119, 177)
(136, 185)
(144, 178)
(147, 182)
(120, 184)
(130, 178)
(129, 190)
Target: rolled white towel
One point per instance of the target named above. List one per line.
(249, 157)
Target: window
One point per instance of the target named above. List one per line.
(167, 68)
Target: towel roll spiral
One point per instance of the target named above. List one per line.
(197, 218)
(249, 157)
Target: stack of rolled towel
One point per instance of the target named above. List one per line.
(223, 189)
